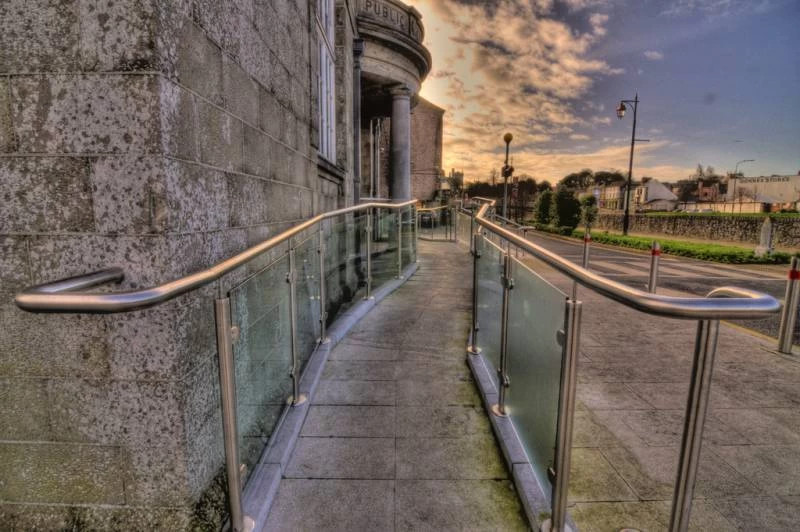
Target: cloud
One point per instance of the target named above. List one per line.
(718, 7)
(654, 55)
(576, 136)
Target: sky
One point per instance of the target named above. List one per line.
(718, 82)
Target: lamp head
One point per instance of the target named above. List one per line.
(621, 110)
(508, 137)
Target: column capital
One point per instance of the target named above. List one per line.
(400, 91)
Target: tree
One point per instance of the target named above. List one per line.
(578, 180)
(604, 178)
(565, 210)
(588, 211)
(543, 186)
(687, 190)
(543, 206)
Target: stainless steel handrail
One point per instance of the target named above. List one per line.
(740, 303)
(65, 295)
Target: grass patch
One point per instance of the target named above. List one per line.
(695, 250)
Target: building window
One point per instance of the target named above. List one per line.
(327, 79)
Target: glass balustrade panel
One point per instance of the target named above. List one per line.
(262, 355)
(490, 300)
(536, 315)
(407, 236)
(345, 264)
(307, 297)
(384, 247)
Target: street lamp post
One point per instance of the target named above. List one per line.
(508, 171)
(736, 174)
(623, 106)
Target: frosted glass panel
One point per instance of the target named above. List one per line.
(263, 356)
(536, 315)
(490, 300)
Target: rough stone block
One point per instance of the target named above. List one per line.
(38, 35)
(57, 257)
(62, 517)
(196, 197)
(85, 114)
(45, 195)
(115, 412)
(128, 194)
(254, 55)
(117, 36)
(23, 409)
(155, 476)
(270, 111)
(14, 267)
(258, 149)
(199, 63)
(8, 143)
(179, 121)
(60, 473)
(221, 22)
(45, 345)
(221, 138)
(240, 92)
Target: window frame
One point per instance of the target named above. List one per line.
(325, 18)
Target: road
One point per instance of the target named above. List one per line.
(676, 273)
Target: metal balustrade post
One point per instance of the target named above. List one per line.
(476, 255)
(415, 236)
(790, 303)
(696, 407)
(369, 255)
(566, 413)
(508, 284)
(297, 398)
(472, 232)
(323, 312)
(399, 244)
(587, 242)
(230, 431)
(655, 256)
(454, 233)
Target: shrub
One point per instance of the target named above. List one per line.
(542, 210)
(565, 210)
(588, 211)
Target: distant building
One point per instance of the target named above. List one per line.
(781, 191)
(611, 197)
(652, 195)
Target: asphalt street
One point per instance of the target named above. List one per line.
(676, 273)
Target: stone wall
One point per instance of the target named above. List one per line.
(426, 149)
(161, 136)
(785, 231)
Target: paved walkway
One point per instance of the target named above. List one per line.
(633, 377)
(396, 438)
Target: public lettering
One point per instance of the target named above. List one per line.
(389, 14)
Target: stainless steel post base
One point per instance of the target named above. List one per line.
(301, 400)
(498, 411)
(474, 350)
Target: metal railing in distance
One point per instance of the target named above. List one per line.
(270, 319)
(530, 332)
(437, 223)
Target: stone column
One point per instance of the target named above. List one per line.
(358, 51)
(401, 143)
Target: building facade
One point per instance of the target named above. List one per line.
(162, 137)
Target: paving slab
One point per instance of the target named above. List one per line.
(458, 505)
(396, 437)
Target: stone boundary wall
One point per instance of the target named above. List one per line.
(785, 231)
(160, 136)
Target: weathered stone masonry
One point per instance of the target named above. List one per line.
(160, 136)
